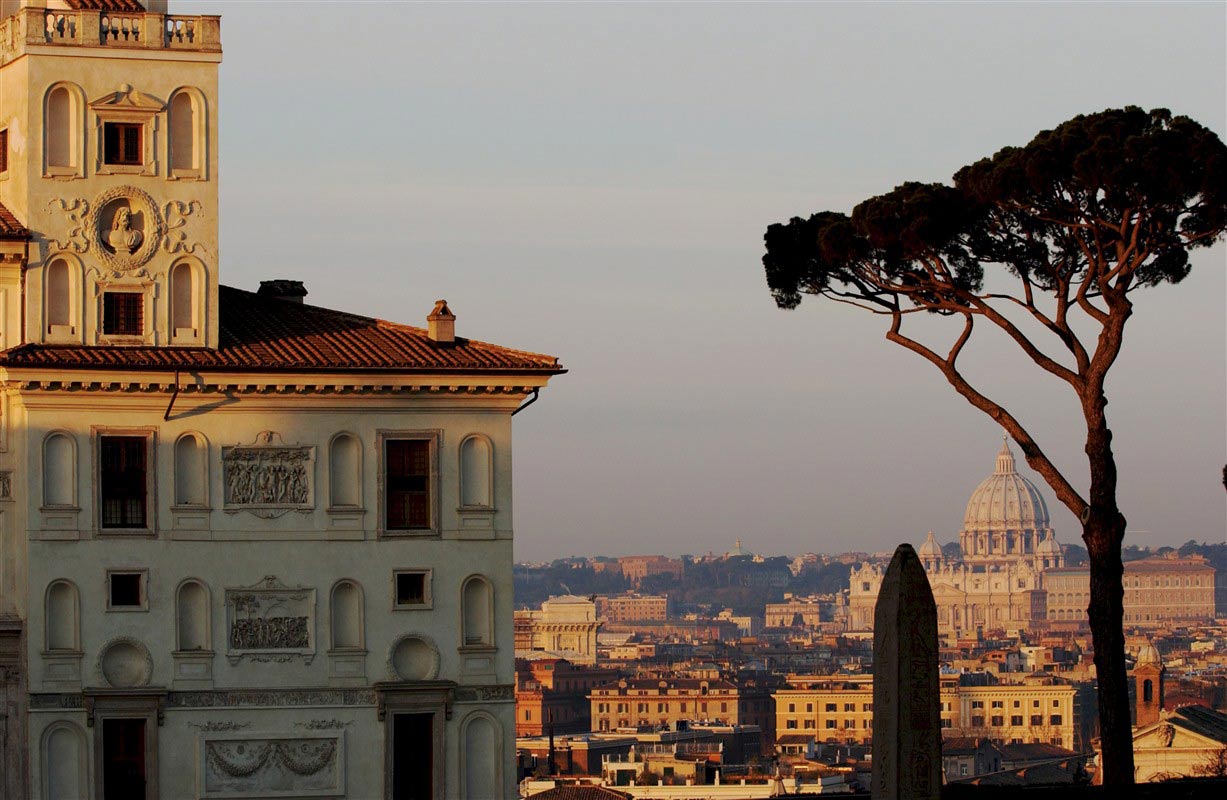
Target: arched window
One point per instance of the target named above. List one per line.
(183, 312)
(59, 298)
(63, 617)
(347, 625)
(186, 134)
(191, 471)
(182, 132)
(64, 773)
(481, 756)
(59, 470)
(345, 471)
(192, 616)
(478, 602)
(476, 469)
(63, 130)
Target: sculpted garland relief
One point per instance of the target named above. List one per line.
(248, 766)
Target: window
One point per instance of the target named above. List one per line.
(1016, 719)
(977, 704)
(962, 769)
(849, 706)
(4, 150)
(977, 722)
(123, 143)
(998, 704)
(998, 722)
(831, 724)
(809, 707)
(790, 724)
(408, 484)
(809, 723)
(1055, 719)
(946, 723)
(123, 481)
(412, 589)
(125, 590)
(123, 313)
(792, 707)
(1037, 719)
(830, 706)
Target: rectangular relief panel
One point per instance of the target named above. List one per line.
(270, 621)
(268, 478)
(245, 765)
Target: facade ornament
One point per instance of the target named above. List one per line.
(322, 724)
(270, 622)
(271, 767)
(125, 227)
(175, 214)
(77, 239)
(6, 485)
(1167, 734)
(268, 478)
(219, 726)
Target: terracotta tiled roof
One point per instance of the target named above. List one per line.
(10, 228)
(106, 5)
(268, 334)
(581, 793)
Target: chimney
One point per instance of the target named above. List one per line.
(441, 323)
(282, 289)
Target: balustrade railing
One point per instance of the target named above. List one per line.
(108, 29)
(125, 29)
(62, 27)
(180, 31)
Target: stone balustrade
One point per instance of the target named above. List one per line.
(38, 26)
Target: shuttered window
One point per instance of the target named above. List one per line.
(122, 475)
(123, 313)
(122, 143)
(407, 484)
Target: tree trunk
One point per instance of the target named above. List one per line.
(1103, 532)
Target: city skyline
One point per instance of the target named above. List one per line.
(616, 219)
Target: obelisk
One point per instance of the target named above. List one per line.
(906, 695)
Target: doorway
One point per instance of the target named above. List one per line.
(123, 759)
(413, 757)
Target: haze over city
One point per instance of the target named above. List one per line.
(593, 181)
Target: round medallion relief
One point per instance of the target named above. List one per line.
(125, 227)
(126, 664)
(415, 659)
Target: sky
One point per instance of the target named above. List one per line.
(593, 181)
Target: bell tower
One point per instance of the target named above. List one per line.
(1148, 674)
(108, 122)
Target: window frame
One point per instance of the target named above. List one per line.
(143, 589)
(434, 439)
(140, 310)
(149, 434)
(427, 590)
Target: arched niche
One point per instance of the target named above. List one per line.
(347, 616)
(476, 472)
(63, 130)
(59, 470)
(65, 774)
(477, 599)
(345, 471)
(186, 133)
(63, 617)
(191, 470)
(481, 756)
(192, 617)
(61, 299)
(187, 293)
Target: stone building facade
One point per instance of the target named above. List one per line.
(565, 626)
(251, 547)
(663, 702)
(1158, 591)
(996, 582)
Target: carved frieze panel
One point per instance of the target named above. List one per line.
(246, 765)
(268, 478)
(270, 621)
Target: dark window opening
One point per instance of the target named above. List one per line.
(408, 484)
(122, 143)
(123, 758)
(125, 589)
(122, 471)
(123, 313)
(1148, 691)
(410, 588)
(4, 150)
(413, 757)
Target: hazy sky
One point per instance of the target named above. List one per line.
(593, 181)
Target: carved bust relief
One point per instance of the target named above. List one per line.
(125, 227)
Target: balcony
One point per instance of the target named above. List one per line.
(32, 28)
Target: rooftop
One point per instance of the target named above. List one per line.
(269, 334)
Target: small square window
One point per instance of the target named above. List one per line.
(412, 589)
(126, 590)
(123, 314)
(123, 143)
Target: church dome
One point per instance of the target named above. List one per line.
(1149, 654)
(1049, 546)
(930, 550)
(1006, 501)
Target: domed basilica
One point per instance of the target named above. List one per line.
(996, 582)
